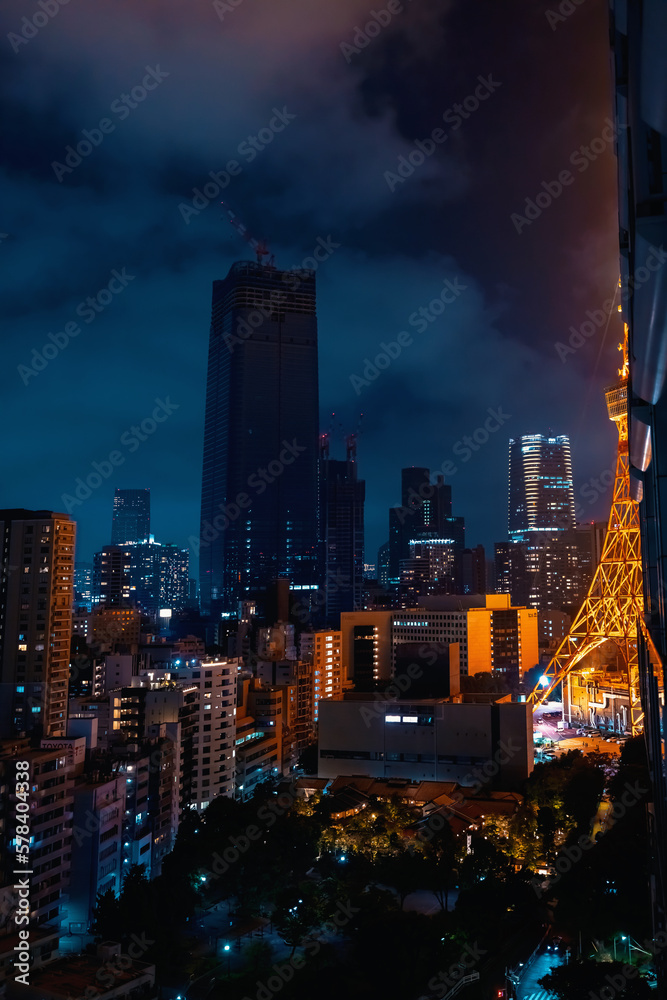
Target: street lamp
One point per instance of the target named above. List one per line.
(228, 950)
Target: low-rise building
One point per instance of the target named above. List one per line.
(427, 739)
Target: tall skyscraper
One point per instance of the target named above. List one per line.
(259, 481)
(341, 532)
(541, 490)
(131, 520)
(425, 512)
(36, 588)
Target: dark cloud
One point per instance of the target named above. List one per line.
(321, 176)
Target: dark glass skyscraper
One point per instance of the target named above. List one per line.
(341, 513)
(425, 512)
(541, 490)
(131, 520)
(259, 482)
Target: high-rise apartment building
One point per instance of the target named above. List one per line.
(259, 481)
(36, 587)
(328, 674)
(111, 576)
(541, 489)
(51, 797)
(341, 532)
(202, 697)
(131, 521)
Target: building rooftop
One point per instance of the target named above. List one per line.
(74, 975)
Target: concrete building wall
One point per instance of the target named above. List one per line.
(529, 649)
(479, 641)
(427, 739)
(380, 622)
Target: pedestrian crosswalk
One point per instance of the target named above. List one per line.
(540, 995)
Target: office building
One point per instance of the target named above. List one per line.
(341, 532)
(548, 570)
(425, 513)
(383, 565)
(366, 648)
(36, 589)
(83, 585)
(430, 568)
(425, 739)
(493, 636)
(259, 481)
(146, 574)
(541, 489)
(474, 571)
(131, 521)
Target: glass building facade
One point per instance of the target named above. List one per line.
(131, 521)
(541, 489)
(259, 481)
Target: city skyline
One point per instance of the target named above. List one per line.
(459, 284)
(333, 534)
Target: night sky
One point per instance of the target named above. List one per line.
(217, 74)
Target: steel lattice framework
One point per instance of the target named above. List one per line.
(614, 606)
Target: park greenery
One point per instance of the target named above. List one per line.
(333, 892)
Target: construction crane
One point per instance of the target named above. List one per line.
(351, 441)
(259, 246)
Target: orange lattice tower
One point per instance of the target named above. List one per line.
(614, 606)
